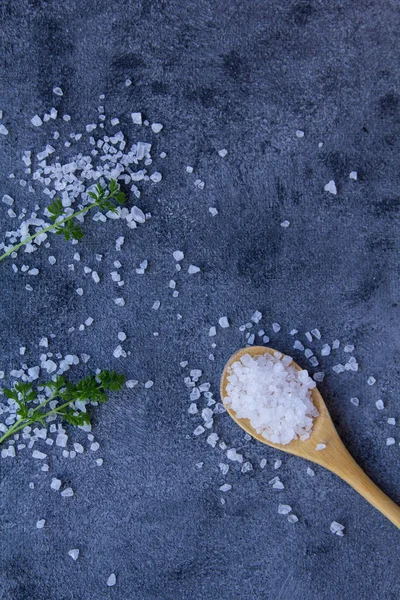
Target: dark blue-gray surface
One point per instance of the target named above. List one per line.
(245, 76)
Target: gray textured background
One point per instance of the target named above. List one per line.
(245, 76)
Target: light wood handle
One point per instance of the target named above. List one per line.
(346, 467)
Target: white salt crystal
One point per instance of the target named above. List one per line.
(119, 301)
(284, 509)
(58, 91)
(310, 472)
(379, 404)
(223, 322)
(298, 345)
(299, 133)
(326, 350)
(349, 348)
(99, 462)
(52, 260)
(193, 269)
(292, 519)
(156, 127)
(263, 462)
(8, 200)
(355, 401)
(156, 305)
(94, 446)
(39, 455)
(224, 468)
(278, 485)
(277, 463)
(61, 440)
(212, 439)
(276, 327)
(371, 380)
(320, 446)
(256, 317)
(149, 384)
(121, 336)
(131, 383)
(189, 169)
(41, 523)
(74, 553)
(67, 493)
(3, 129)
(136, 118)
(178, 255)
(335, 344)
(336, 528)
(55, 484)
(213, 331)
(234, 456)
(213, 211)
(246, 468)
(199, 430)
(353, 175)
(112, 580)
(390, 441)
(192, 410)
(36, 121)
(78, 448)
(316, 333)
(79, 291)
(223, 152)
(225, 488)
(285, 224)
(391, 421)
(331, 187)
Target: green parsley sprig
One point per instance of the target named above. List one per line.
(92, 388)
(62, 224)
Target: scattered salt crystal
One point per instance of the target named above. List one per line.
(310, 472)
(121, 336)
(58, 91)
(349, 348)
(320, 446)
(119, 301)
(234, 456)
(40, 524)
(379, 404)
(285, 224)
(213, 211)
(278, 485)
(256, 317)
(263, 462)
(79, 291)
(326, 350)
(299, 133)
(335, 344)
(199, 430)
(276, 327)
(336, 528)
(94, 446)
(99, 462)
(112, 580)
(353, 175)
(67, 493)
(131, 383)
(78, 448)
(390, 441)
(292, 519)
(212, 439)
(355, 401)
(225, 488)
(61, 440)
(277, 463)
(284, 509)
(391, 421)
(316, 333)
(95, 276)
(39, 455)
(298, 345)
(52, 260)
(371, 380)
(331, 187)
(189, 169)
(223, 322)
(149, 384)
(3, 129)
(36, 121)
(156, 127)
(55, 484)
(339, 368)
(192, 410)
(212, 331)
(223, 152)
(193, 269)
(246, 468)
(224, 468)
(74, 553)
(156, 305)
(136, 118)
(8, 200)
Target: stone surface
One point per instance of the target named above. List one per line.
(245, 77)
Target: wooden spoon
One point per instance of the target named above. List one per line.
(334, 457)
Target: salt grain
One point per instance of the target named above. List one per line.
(40, 524)
(74, 553)
(390, 441)
(320, 447)
(112, 580)
(331, 187)
(223, 322)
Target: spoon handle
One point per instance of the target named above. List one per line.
(346, 467)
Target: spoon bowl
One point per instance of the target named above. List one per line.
(334, 457)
